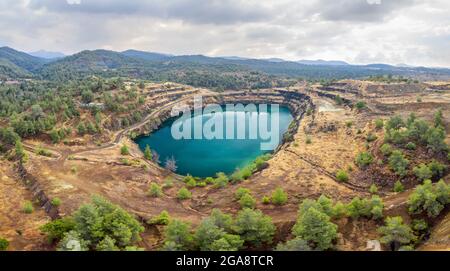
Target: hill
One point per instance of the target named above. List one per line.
(21, 59)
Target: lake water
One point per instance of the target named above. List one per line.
(206, 157)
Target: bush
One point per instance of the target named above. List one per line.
(379, 123)
(247, 201)
(254, 227)
(211, 237)
(398, 187)
(423, 172)
(279, 197)
(341, 175)
(241, 192)
(395, 233)
(56, 202)
(411, 146)
(339, 210)
(162, 219)
(124, 150)
(99, 219)
(265, 200)
(371, 137)
(3, 244)
(315, 227)
(364, 159)
(398, 163)
(184, 194)
(436, 139)
(154, 190)
(360, 105)
(428, 198)
(178, 233)
(359, 207)
(27, 207)
(221, 180)
(437, 169)
(308, 140)
(386, 149)
(148, 153)
(56, 229)
(349, 124)
(395, 122)
(373, 189)
(209, 180)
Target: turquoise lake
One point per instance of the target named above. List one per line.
(206, 157)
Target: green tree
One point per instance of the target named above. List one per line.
(386, 149)
(241, 191)
(148, 153)
(429, 198)
(364, 159)
(107, 244)
(184, 194)
(395, 233)
(180, 234)
(279, 197)
(315, 227)
(398, 163)
(247, 201)
(72, 241)
(154, 190)
(100, 218)
(341, 175)
(124, 150)
(210, 237)
(423, 172)
(254, 227)
(398, 187)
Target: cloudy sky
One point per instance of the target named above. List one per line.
(415, 32)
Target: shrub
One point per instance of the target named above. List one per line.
(386, 149)
(124, 150)
(241, 192)
(247, 201)
(56, 202)
(308, 140)
(148, 153)
(3, 244)
(210, 237)
(395, 233)
(395, 122)
(379, 123)
(341, 175)
(339, 210)
(236, 176)
(437, 169)
(162, 219)
(254, 227)
(265, 200)
(423, 172)
(154, 190)
(27, 207)
(398, 163)
(359, 207)
(373, 189)
(428, 198)
(315, 227)
(221, 180)
(279, 197)
(411, 146)
(364, 159)
(436, 139)
(179, 234)
(360, 105)
(72, 241)
(184, 194)
(398, 187)
(221, 220)
(101, 218)
(371, 137)
(349, 124)
(296, 244)
(209, 180)
(168, 183)
(56, 229)
(191, 183)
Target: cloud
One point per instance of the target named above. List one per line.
(198, 11)
(414, 32)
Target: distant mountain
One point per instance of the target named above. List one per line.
(146, 55)
(21, 59)
(47, 54)
(234, 57)
(274, 59)
(198, 70)
(323, 62)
